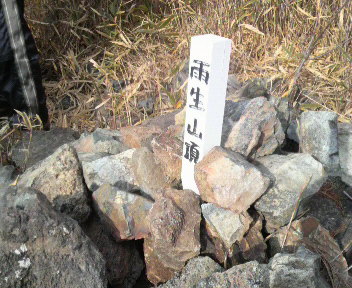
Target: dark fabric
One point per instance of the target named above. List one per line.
(11, 94)
(5, 47)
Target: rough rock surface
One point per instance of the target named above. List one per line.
(319, 137)
(228, 180)
(115, 170)
(42, 144)
(124, 212)
(123, 262)
(245, 276)
(309, 233)
(100, 141)
(300, 269)
(40, 247)
(252, 127)
(141, 136)
(345, 151)
(59, 177)
(290, 175)
(6, 175)
(224, 224)
(195, 270)
(148, 174)
(174, 234)
(167, 149)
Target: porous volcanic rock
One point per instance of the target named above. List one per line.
(59, 177)
(174, 234)
(226, 179)
(40, 247)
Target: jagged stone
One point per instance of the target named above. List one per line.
(38, 145)
(319, 137)
(125, 212)
(115, 170)
(225, 225)
(229, 181)
(40, 247)
(100, 141)
(167, 149)
(290, 175)
(174, 234)
(300, 269)
(345, 151)
(59, 177)
(251, 127)
(195, 270)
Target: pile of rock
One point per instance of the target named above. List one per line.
(266, 215)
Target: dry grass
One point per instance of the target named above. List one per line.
(90, 46)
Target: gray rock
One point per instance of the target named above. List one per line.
(59, 177)
(292, 131)
(248, 275)
(30, 150)
(300, 269)
(115, 170)
(290, 175)
(100, 141)
(6, 175)
(228, 180)
(233, 86)
(226, 225)
(345, 151)
(318, 137)
(284, 111)
(123, 262)
(195, 270)
(251, 89)
(124, 212)
(40, 247)
(91, 156)
(251, 127)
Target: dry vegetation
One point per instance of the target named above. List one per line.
(90, 47)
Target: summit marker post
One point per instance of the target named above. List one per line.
(206, 93)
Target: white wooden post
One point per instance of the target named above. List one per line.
(206, 93)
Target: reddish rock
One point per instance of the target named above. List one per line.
(167, 149)
(174, 234)
(124, 212)
(229, 181)
(139, 136)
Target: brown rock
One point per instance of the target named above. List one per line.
(174, 239)
(124, 212)
(252, 127)
(229, 181)
(139, 136)
(167, 150)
